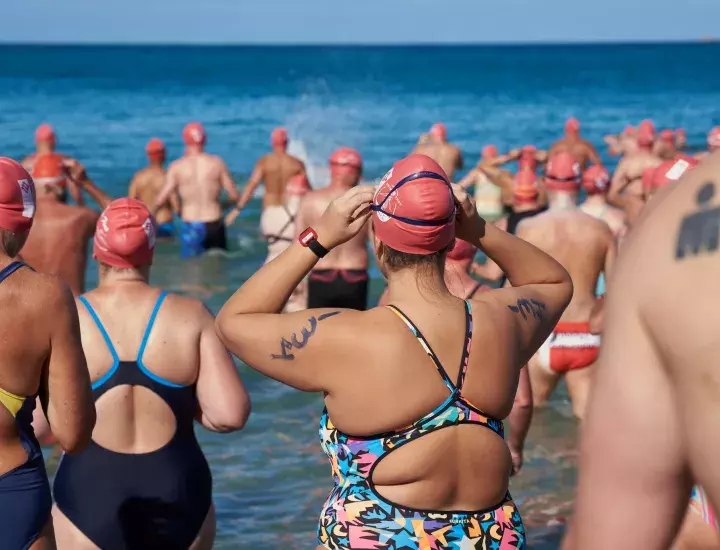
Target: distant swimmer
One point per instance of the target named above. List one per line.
(713, 143)
(340, 279)
(580, 148)
(42, 360)
(626, 189)
(670, 171)
(652, 427)
(437, 147)
(148, 183)
(157, 366)
(488, 195)
(58, 243)
(199, 178)
(665, 147)
(48, 167)
(596, 182)
(623, 143)
(585, 247)
(681, 139)
(528, 159)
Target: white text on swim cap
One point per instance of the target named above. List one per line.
(26, 190)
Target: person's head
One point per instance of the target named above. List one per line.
(629, 132)
(661, 176)
(45, 138)
(125, 239)
(680, 138)
(461, 255)
(572, 127)
(279, 139)
(155, 150)
(438, 132)
(527, 159)
(489, 152)
(525, 189)
(646, 135)
(17, 206)
(562, 177)
(194, 137)
(713, 139)
(298, 185)
(345, 168)
(667, 138)
(413, 218)
(596, 180)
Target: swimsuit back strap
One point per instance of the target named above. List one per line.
(101, 328)
(465, 359)
(9, 270)
(150, 324)
(426, 346)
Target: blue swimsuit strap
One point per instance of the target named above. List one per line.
(101, 328)
(9, 270)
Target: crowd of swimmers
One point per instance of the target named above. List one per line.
(413, 424)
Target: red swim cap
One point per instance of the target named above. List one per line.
(125, 235)
(527, 158)
(45, 133)
(668, 172)
(596, 180)
(489, 152)
(646, 134)
(414, 207)
(297, 185)
(713, 138)
(439, 131)
(462, 251)
(155, 149)
(628, 131)
(278, 138)
(525, 189)
(667, 136)
(563, 173)
(572, 126)
(48, 170)
(17, 196)
(345, 160)
(194, 134)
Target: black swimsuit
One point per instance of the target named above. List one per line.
(155, 500)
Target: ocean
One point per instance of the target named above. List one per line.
(271, 479)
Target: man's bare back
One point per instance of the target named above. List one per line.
(58, 242)
(146, 185)
(447, 155)
(277, 168)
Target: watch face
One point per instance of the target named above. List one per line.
(307, 236)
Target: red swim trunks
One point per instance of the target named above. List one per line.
(569, 347)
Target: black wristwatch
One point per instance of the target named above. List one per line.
(308, 239)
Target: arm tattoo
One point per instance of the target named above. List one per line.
(699, 231)
(299, 342)
(529, 307)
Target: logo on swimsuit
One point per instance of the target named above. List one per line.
(26, 190)
(460, 520)
(149, 229)
(391, 203)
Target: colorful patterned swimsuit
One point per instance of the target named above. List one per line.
(355, 516)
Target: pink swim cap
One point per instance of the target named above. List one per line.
(345, 160)
(297, 185)
(667, 136)
(194, 134)
(45, 133)
(572, 126)
(439, 131)
(646, 133)
(489, 152)
(125, 235)
(462, 251)
(629, 131)
(279, 138)
(414, 207)
(155, 149)
(527, 158)
(563, 173)
(596, 180)
(17, 196)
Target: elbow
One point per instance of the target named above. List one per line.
(79, 439)
(233, 419)
(221, 326)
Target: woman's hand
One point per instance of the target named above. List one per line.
(469, 226)
(345, 216)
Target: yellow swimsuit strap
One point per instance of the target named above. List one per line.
(12, 402)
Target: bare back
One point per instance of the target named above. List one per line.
(277, 169)
(583, 151)
(581, 244)
(58, 242)
(146, 186)
(447, 155)
(351, 255)
(614, 217)
(199, 181)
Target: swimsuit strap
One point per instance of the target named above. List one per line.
(10, 269)
(465, 359)
(272, 239)
(426, 346)
(474, 290)
(105, 335)
(150, 324)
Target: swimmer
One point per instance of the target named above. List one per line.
(623, 143)
(527, 164)
(46, 166)
(596, 181)
(572, 143)
(58, 243)
(147, 184)
(665, 147)
(274, 170)
(408, 380)
(198, 178)
(713, 142)
(626, 189)
(585, 246)
(488, 196)
(42, 358)
(666, 173)
(651, 431)
(437, 147)
(156, 366)
(340, 279)
(681, 139)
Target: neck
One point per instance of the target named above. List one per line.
(562, 200)
(191, 150)
(524, 206)
(157, 164)
(43, 148)
(280, 150)
(405, 285)
(111, 277)
(598, 199)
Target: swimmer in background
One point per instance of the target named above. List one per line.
(665, 147)
(198, 178)
(583, 151)
(667, 173)
(437, 147)
(585, 247)
(43, 366)
(624, 143)
(596, 182)
(148, 183)
(713, 143)
(55, 168)
(681, 139)
(157, 368)
(488, 196)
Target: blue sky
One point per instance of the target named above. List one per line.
(360, 21)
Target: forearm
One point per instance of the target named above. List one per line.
(521, 415)
(98, 195)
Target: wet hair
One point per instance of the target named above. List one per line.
(424, 263)
(12, 242)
